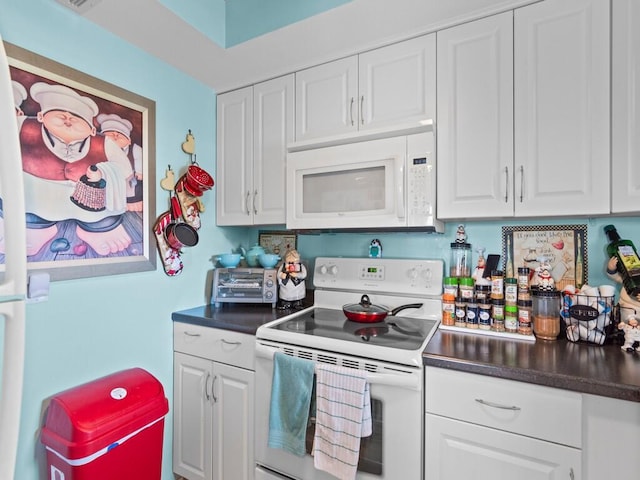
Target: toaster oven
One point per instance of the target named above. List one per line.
(244, 285)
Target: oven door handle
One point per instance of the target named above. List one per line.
(409, 380)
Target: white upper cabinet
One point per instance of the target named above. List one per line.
(475, 118)
(561, 95)
(625, 92)
(255, 124)
(523, 113)
(376, 89)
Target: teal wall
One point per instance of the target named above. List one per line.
(93, 327)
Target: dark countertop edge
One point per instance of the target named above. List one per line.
(547, 379)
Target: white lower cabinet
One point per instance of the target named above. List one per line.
(487, 428)
(213, 404)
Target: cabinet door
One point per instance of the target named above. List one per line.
(273, 130)
(625, 148)
(234, 182)
(192, 417)
(397, 84)
(455, 450)
(326, 99)
(232, 392)
(561, 54)
(475, 119)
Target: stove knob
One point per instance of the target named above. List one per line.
(323, 269)
(269, 283)
(333, 270)
(413, 273)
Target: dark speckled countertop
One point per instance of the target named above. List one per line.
(586, 368)
(239, 317)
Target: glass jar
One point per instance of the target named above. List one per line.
(472, 315)
(523, 279)
(461, 313)
(546, 314)
(510, 291)
(525, 314)
(497, 315)
(483, 292)
(511, 318)
(484, 315)
(460, 265)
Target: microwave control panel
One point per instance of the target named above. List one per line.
(420, 180)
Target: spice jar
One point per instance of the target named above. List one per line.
(465, 289)
(525, 315)
(450, 285)
(497, 285)
(472, 315)
(448, 309)
(523, 279)
(510, 291)
(546, 314)
(483, 292)
(511, 318)
(484, 315)
(461, 313)
(497, 315)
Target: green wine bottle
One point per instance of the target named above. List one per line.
(628, 261)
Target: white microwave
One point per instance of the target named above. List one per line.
(385, 183)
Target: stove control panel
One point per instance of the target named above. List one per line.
(389, 275)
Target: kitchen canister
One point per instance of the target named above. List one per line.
(546, 314)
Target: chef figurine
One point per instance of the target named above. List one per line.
(478, 272)
(291, 282)
(543, 277)
(631, 334)
(461, 234)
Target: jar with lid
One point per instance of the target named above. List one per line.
(450, 285)
(497, 315)
(472, 315)
(510, 291)
(546, 314)
(482, 292)
(465, 289)
(497, 285)
(448, 309)
(511, 318)
(525, 315)
(461, 313)
(484, 315)
(523, 279)
(460, 265)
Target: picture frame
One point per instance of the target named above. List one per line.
(89, 188)
(564, 246)
(277, 242)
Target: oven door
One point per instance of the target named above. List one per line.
(394, 449)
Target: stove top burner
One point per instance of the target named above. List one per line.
(406, 333)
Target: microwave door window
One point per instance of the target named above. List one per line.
(355, 190)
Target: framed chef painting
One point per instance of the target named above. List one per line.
(88, 158)
(563, 247)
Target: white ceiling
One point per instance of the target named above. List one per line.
(356, 26)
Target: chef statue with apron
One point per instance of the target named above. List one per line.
(291, 277)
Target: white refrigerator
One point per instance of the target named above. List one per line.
(13, 281)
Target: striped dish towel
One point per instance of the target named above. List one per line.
(343, 416)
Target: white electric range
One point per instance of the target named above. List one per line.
(390, 351)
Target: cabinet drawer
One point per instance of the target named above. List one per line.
(215, 344)
(540, 412)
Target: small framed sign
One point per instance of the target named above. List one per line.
(564, 247)
(277, 242)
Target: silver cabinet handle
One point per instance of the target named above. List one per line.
(362, 109)
(571, 475)
(247, 202)
(506, 184)
(206, 387)
(497, 405)
(213, 389)
(255, 195)
(189, 334)
(351, 110)
(231, 343)
(521, 183)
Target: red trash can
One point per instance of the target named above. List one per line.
(110, 428)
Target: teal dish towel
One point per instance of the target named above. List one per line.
(291, 389)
